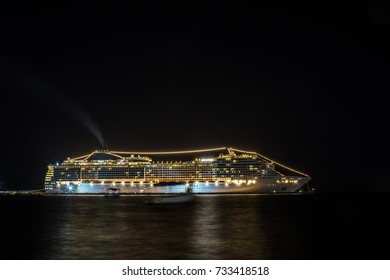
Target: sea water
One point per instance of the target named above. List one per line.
(315, 226)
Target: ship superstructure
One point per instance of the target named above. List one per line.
(219, 170)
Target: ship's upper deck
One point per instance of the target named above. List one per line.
(223, 157)
(104, 157)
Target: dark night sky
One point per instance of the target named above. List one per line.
(302, 83)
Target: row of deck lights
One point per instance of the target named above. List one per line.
(216, 183)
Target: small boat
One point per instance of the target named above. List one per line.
(112, 192)
(169, 199)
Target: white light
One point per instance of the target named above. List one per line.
(123, 183)
(70, 188)
(91, 184)
(216, 183)
(187, 184)
(226, 184)
(207, 183)
(102, 182)
(206, 159)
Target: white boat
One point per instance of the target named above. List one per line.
(113, 192)
(169, 199)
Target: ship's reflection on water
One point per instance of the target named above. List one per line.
(206, 240)
(219, 232)
(212, 227)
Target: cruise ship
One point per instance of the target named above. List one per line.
(218, 170)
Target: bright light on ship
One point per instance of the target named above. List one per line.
(207, 183)
(91, 184)
(216, 183)
(206, 159)
(187, 184)
(123, 183)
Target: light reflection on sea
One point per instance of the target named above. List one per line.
(212, 227)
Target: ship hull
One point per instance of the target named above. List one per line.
(288, 184)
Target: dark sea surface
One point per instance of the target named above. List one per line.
(317, 226)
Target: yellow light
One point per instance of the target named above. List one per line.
(170, 153)
(123, 183)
